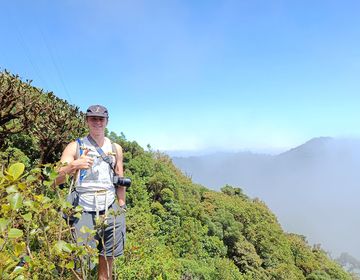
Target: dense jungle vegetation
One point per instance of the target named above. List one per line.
(175, 228)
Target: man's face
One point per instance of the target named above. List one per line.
(96, 124)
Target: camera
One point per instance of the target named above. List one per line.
(121, 181)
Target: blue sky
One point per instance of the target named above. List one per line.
(189, 75)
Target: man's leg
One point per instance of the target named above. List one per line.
(105, 268)
(112, 241)
(86, 238)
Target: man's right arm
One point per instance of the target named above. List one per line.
(67, 157)
(71, 164)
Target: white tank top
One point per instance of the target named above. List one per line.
(95, 185)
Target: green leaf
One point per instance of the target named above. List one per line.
(30, 179)
(80, 240)
(77, 215)
(5, 208)
(85, 229)
(16, 201)
(3, 224)
(70, 265)
(53, 175)
(19, 270)
(58, 246)
(19, 248)
(47, 183)
(35, 170)
(16, 169)
(47, 170)
(61, 245)
(46, 200)
(29, 203)
(15, 233)
(27, 217)
(22, 186)
(11, 189)
(78, 209)
(34, 231)
(66, 205)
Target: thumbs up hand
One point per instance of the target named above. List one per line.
(84, 162)
(86, 151)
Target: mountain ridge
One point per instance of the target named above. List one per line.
(322, 173)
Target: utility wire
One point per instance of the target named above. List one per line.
(55, 65)
(28, 54)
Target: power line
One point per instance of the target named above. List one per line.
(28, 54)
(55, 65)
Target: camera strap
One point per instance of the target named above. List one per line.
(105, 157)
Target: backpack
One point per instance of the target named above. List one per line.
(79, 152)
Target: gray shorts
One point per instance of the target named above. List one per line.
(110, 238)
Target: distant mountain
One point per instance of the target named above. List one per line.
(314, 188)
(312, 148)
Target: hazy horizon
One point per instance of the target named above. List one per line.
(264, 150)
(313, 189)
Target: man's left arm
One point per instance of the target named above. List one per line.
(119, 169)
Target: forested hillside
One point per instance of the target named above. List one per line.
(322, 174)
(175, 228)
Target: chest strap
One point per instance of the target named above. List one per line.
(105, 157)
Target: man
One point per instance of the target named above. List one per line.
(94, 187)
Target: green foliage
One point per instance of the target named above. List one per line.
(318, 275)
(216, 268)
(58, 124)
(146, 257)
(31, 227)
(18, 105)
(229, 190)
(37, 123)
(12, 155)
(175, 229)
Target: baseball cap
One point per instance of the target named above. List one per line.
(97, 111)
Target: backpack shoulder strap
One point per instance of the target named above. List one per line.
(105, 157)
(79, 151)
(78, 174)
(115, 151)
